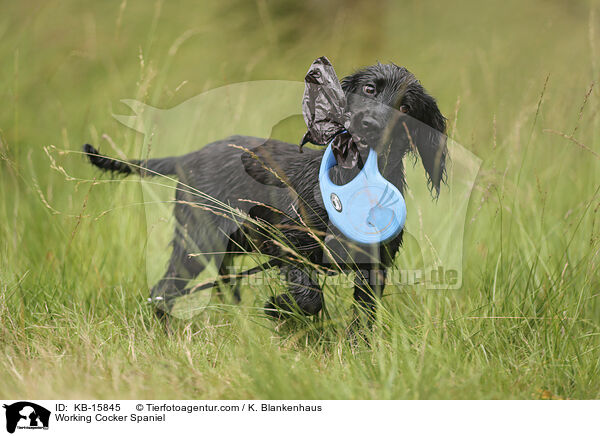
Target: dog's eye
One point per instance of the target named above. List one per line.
(369, 89)
(404, 108)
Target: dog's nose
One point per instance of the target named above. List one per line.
(370, 124)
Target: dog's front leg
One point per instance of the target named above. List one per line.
(370, 279)
(368, 286)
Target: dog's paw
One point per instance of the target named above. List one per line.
(279, 307)
(359, 332)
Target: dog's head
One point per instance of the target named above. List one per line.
(391, 108)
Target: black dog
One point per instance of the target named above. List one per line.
(392, 110)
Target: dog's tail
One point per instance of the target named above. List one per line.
(150, 167)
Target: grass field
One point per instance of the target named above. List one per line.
(518, 84)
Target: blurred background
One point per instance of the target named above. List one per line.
(66, 65)
(516, 80)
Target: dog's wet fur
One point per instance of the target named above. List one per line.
(399, 116)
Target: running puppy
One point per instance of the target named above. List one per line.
(389, 106)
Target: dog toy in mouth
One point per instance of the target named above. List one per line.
(368, 209)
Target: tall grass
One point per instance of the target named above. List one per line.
(518, 84)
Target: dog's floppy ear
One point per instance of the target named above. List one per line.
(350, 84)
(430, 140)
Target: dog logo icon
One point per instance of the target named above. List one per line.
(26, 415)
